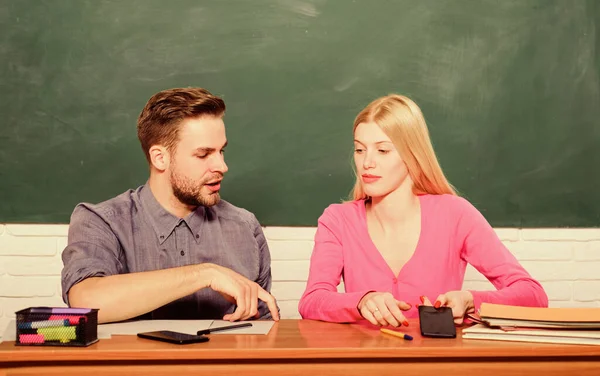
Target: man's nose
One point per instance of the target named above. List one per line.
(220, 165)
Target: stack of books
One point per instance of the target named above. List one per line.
(527, 324)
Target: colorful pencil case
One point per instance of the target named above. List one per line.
(47, 326)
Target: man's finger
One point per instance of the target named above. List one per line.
(253, 300)
(228, 297)
(247, 299)
(270, 300)
(236, 315)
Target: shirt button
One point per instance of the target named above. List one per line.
(197, 236)
(395, 280)
(182, 253)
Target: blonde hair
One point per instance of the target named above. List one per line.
(402, 121)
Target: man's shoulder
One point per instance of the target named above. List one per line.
(116, 207)
(228, 211)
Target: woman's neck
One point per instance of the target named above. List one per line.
(395, 208)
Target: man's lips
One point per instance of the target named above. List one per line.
(214, 186)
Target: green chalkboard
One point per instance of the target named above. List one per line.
(510, 90)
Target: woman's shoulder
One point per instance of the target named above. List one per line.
(346, 211)
(447, 203)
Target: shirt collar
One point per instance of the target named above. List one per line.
(164, 222)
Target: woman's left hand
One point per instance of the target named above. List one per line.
(461, 303)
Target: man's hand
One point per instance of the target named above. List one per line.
(243, 291)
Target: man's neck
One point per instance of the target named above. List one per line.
(163, 193)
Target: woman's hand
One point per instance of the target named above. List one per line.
(461, 303)
(381, 308)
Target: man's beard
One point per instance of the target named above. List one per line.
(189, 193)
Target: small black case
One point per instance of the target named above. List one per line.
(436, 322)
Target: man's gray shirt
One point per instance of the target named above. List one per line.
(133, 233)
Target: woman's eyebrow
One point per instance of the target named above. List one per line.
(376, 143)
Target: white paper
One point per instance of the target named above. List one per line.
(181, 326)
(135, 327)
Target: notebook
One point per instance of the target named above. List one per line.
(498, 315)
(562, 336)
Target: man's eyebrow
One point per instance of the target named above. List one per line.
(208, 149)
(204, 150)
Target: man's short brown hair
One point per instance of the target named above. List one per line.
(159, 121)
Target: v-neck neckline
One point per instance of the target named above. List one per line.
(373, 247)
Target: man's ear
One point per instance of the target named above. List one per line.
(159, 157)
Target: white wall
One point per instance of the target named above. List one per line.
(565, 261)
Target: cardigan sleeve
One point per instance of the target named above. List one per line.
(483, 249)
(321, 300)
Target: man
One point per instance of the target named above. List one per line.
(171, 249)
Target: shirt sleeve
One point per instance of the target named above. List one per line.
(92, 250)
(264, 278)
(321, 300)
(483, 249)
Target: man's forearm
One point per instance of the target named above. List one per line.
(123, 296)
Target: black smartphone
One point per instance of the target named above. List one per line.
(436, 322)
(173, 337)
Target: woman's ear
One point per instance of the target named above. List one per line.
(159, 157)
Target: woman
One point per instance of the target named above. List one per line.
(406, 235)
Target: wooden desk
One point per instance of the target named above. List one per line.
(302, 347)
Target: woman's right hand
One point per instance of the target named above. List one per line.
(382, 309)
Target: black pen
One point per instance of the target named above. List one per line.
(221, 328)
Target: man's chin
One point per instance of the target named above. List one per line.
(211, 200)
